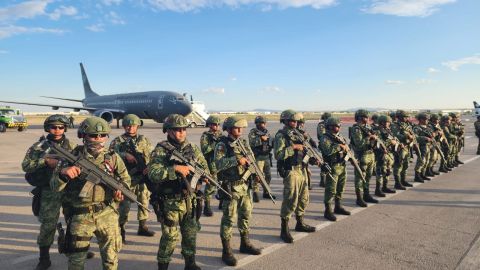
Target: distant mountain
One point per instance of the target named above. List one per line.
(368, 109)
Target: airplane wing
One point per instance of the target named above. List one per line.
(69, 99)
(76, 108)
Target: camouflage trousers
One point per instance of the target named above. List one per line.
(104, 225)
(143, 196)
(50, 204)
(367, 165)
(295, 193)
(384, 169)
(263, 165)
(178, 213)
(210, 189)
(238, 208)
(434, 157)
(452, 151)
(422, 162)
(478, 147)
(335, 185)
(400, 166)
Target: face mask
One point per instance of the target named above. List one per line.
(94, 148)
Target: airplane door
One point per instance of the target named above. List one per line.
(159, 106)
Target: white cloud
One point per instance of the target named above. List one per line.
(4, 51)
(271, 89)
(114, 18)
(395, 82)
(215, 90)
(61, 11)
(99, 27)
(406, 8)
(425, 81)
(433, 70)
(111, 2)
(11, 30)
(233, 79)
(265, 5)
(456, 64)
(25, 10)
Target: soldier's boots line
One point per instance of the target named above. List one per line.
(322, 180)
(227, 253)
(162, 266)
(339, 209)
(302, 227)
(360, 202)
(44, 260)
(368, 198)
(247, 247)
(190, 263)
(143, 229)
(256, 199)
(207, 210)
(285, 232)
(378, 191)
(328, 213)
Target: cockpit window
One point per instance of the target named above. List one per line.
(180, 98)
(7, 112)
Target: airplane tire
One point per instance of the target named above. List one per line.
(20, 129)
(193, 125)
(3, 128)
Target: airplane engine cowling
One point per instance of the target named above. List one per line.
(106, 115)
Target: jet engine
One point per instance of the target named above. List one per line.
(106, 115)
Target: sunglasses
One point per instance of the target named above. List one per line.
(93, 136)
(57, 127)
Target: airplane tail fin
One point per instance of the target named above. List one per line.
(475, 104)
(86, 85)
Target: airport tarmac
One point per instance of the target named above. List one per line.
(434, 225)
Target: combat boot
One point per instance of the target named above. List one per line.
(328, 213)
(404, 182)
(227, 254)
(385, 188)
(398, 184)
(367, 198)
(285, 232)
(44, 260)
(122, 233)
(378, 191)
(143, 229)
(360, 202)
(190, 263)
(443, 169)
(220, 204)
(429, 172)
(424, 177)
(339, 208)
(256, 199)
(418, 178)
(162, 266)
(433, 172)
(266, 196)
(247, 247)
(322, 180)
(207, 210)
(302, 227)
(459, 161)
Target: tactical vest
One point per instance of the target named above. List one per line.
(212, 139)
(265, 148)
(297, 158)
(365, 133)
(232, 173)
(338, 157)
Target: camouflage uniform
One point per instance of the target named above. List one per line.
(231, 174)
(477, 133)
(457, 129)
(320, 131)
(385, 160)
(121, 145)
(177, 206)
(450, 150)
(96, 212)
(424, 136)
(401, 130)
(439, 138)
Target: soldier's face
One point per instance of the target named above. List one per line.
(261, 125)
(236, 132)
(131, 130)
(387, 124)
(335, 129)
(101, 138)
(292, 123)
(56, 130)
(178, 134)
(363, 120)
(214, 127)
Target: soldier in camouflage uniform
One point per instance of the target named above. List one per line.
(313, 143)
(385, 159)
(231, 167)
(456, 128)
(374, 119)
(334, 150)
(94, 212)
(320, 131)
(207, 143)
(261, 143)
(177, 206)
(450, 150)
(401, 129)
(131, 146)
(363, 139)
(477, 133)
(424, 137)
(40, 167)
(439, 138)
(289, 153)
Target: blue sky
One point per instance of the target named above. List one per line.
(247, 54)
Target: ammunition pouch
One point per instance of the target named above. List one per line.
(37, 179)
(157, 205)
(226, 186)
(36, 200)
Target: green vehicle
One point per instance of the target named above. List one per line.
(11, 118)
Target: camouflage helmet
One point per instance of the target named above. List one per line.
(131, 120)
(332, 121)
(288, 115)
(300, 118)
(93, 125)
(361, 113)
(421, 116)
(234, 121)
(434, 117)
(213, 120)
(452, 115)
(401, 113)
(325, 116)
(174, 121)
(383, 119)
(445, 118)
(374, 118)
(55, 119)
(393, 115)
(260, 119)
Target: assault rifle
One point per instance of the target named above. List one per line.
(435, 144)
(313, 152)
(94, 175)
(270, 143)
(252, 166)
(141, 163)
(195, 168)
(414, 142)
(350, 156)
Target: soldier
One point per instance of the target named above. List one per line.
(386, 159)
(456, 128)
(449, 151)
(405, 135)
(363, 141)
(439, 138)
(374, 119)
(301, 128)
(424, 137)
(135, 151)
(207, 143)
(39, 169)
(178, 207)
(71, 120)
(261, 143)
(477, 133)
(320, 132)
(231, 167)
(93, 212)
(334, 149)
(289, 154)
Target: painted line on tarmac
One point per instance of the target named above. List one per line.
(471, 258)
(25, 258)
(471, 159)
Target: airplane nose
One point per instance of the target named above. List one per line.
(184, 108)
